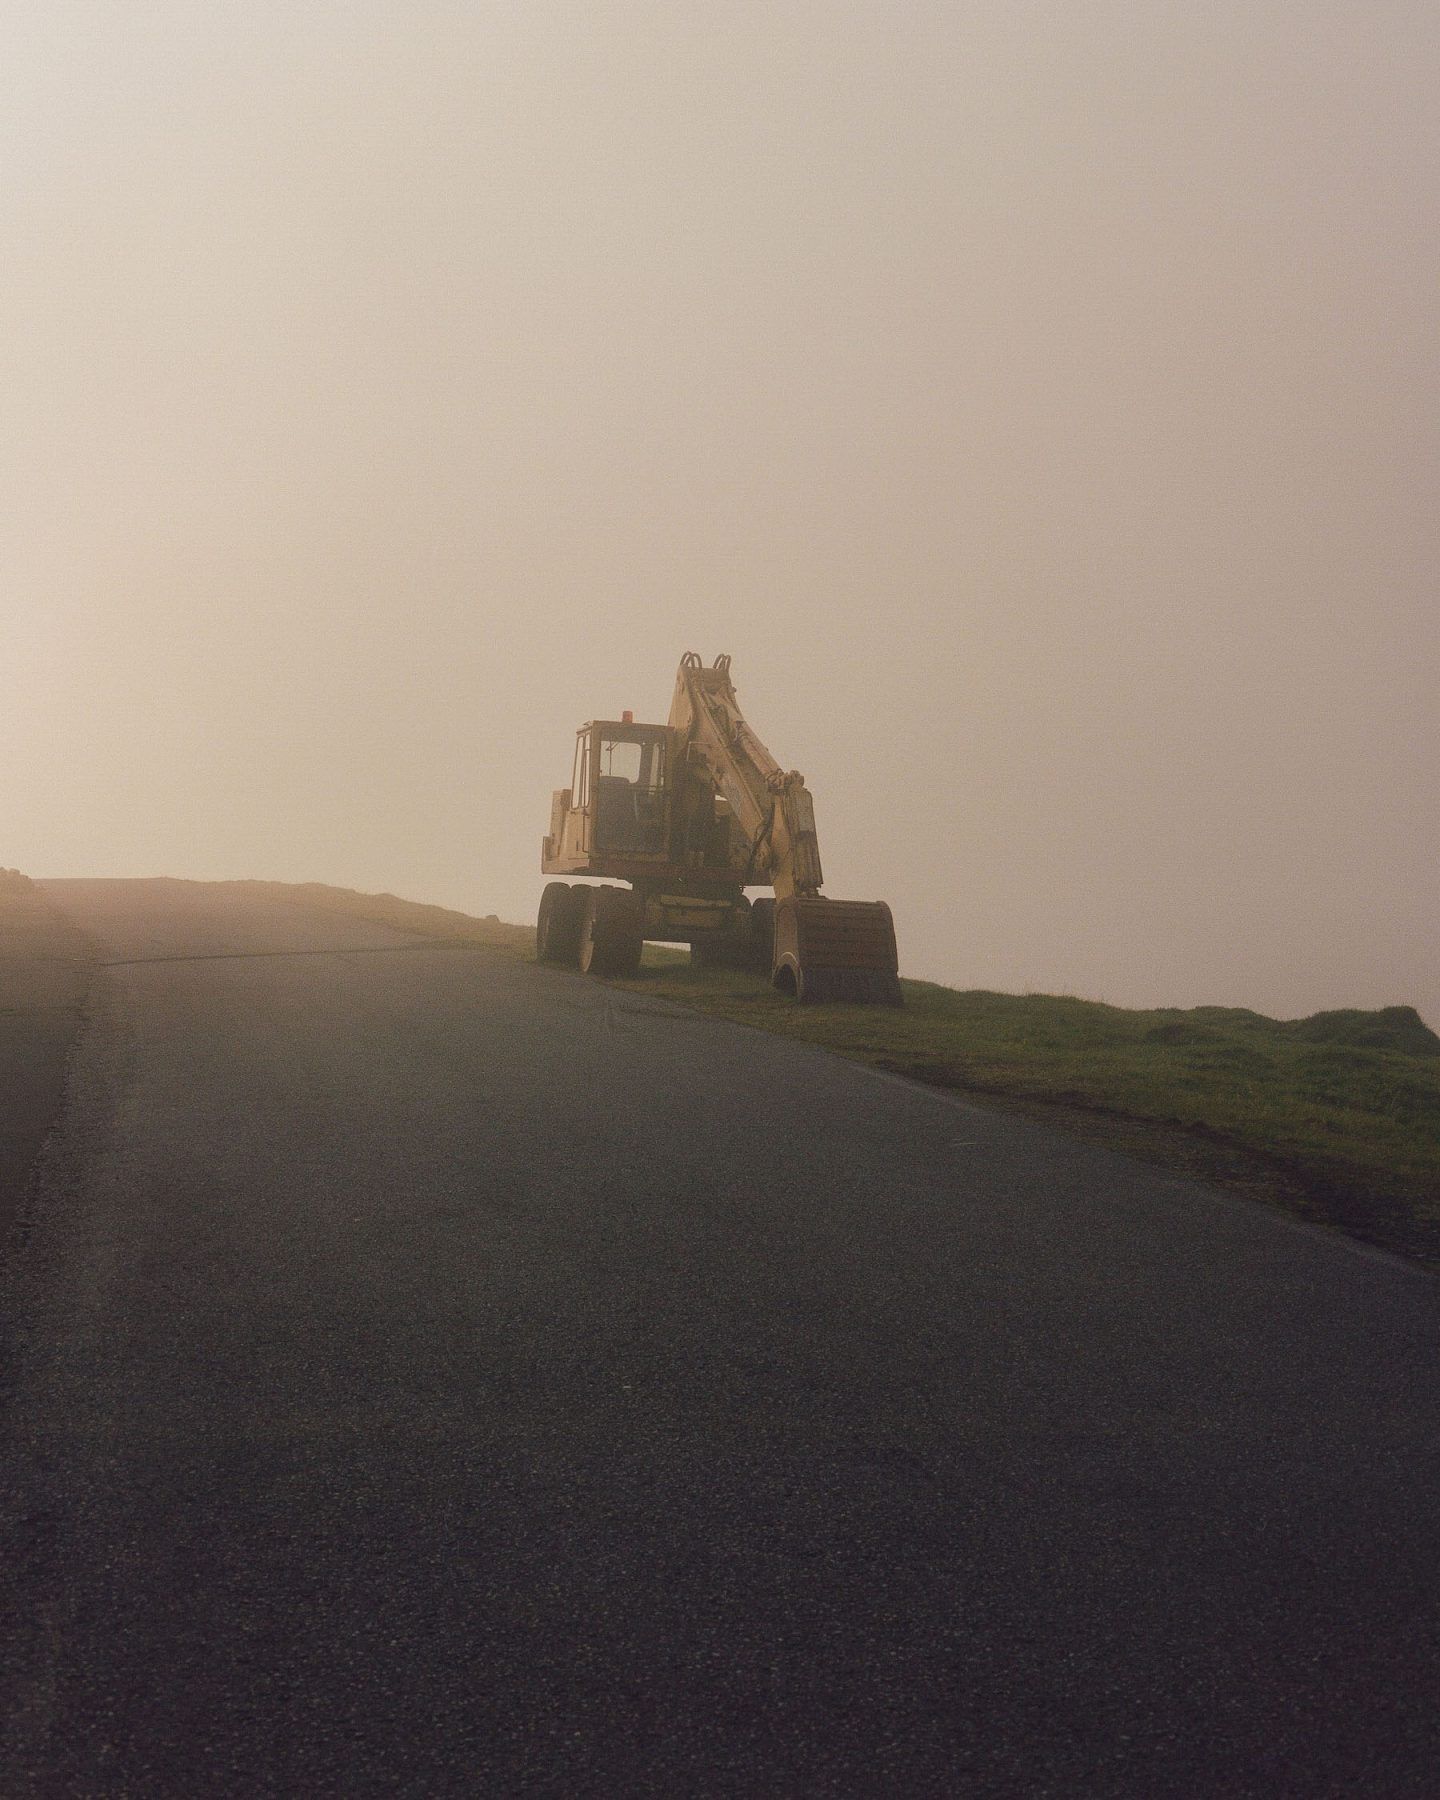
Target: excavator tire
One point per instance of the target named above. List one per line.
(557, 930)
(612, 933)
(836, 950)
(725, 949)
(719, 952)
(760, 937)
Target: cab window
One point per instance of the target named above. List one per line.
(630, 794)
(619, 759)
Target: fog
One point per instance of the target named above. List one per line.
(1040, 402)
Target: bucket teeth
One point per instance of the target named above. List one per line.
(836, 950)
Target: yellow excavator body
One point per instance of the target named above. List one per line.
(689, 815)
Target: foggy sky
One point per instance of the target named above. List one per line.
(1040, 402)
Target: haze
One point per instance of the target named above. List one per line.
(1039, 402)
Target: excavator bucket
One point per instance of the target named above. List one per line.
(836, 950)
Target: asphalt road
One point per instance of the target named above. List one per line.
(429, 1374)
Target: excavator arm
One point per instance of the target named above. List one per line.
(771, 806)
(823, 949)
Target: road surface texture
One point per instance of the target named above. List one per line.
(431, 1374)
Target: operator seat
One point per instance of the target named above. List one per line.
(617, 820)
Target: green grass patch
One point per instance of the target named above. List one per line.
(1336, 1117)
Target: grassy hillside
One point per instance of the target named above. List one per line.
(1336, 1117)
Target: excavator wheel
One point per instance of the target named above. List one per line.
(557, 930)
(836, 950)
(750, 946)
(730, 949)
(719, 952)
(760, 937)
(611, 932)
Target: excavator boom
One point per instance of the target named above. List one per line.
(772, 805)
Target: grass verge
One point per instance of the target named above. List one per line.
(1335, 1117)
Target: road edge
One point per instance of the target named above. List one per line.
(47, 968)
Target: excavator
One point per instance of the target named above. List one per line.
(689, 815)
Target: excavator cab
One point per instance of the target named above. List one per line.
(629, 764)
(615, 805)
